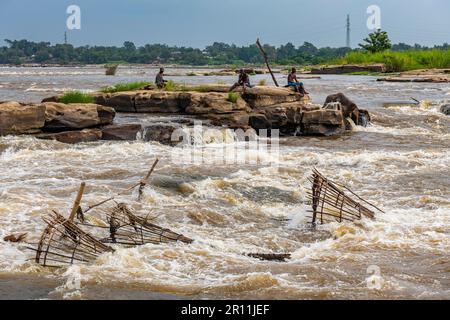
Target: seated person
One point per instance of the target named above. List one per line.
(244, 81)
(293, 82)
(159, 81)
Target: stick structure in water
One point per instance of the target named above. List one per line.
(63, 243)
(330, 202)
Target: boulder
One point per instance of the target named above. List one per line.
(322, 122)
(445, 109)
(277, 117)
(105, 114)
(259, 122)
(16, 118)
(120, 101)
(237, 120)
(64, 117)
(86, 135)
(161, 133)
(121, 132)
(51, 99)
(323, 116)
(260, 97)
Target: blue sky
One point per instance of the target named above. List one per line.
(201, 22)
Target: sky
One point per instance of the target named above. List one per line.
(198, 23)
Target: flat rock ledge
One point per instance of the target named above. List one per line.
(423, 75)
(68, 123)
(349, 68)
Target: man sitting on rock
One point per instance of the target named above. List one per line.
(159, 81)
(293, 82)
(244, 81)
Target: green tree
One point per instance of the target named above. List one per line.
(376, 42)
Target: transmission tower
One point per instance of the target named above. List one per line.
(348, 31)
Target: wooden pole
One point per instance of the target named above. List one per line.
(76, 204)
(139, 184)
(267, 61)
(144, 182)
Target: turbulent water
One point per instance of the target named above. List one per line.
(401, 163)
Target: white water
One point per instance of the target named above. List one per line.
(401, 164)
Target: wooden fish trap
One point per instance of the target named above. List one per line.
(126, 228)
(63, 243)
(330, 203)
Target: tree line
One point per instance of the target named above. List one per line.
(24, 51)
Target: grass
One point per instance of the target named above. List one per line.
(76, 97)
(401, 61)
(173, 86)
(232, 97)
(262, 82)
(126, 87)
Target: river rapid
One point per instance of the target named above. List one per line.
(401, 163)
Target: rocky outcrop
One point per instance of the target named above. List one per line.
(63, 117)
(68, 123)
(349, 68)
(16, 118)
(153, 101)
(305, 120)
(324, 122)
(211, 102)
(260, 107)
(85, 135)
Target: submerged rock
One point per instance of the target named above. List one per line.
(16, 118)
(121, 132)
(445, 109)
(161, 133)
(86, 135)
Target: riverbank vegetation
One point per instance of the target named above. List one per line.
(400, 57)
(400, 61)
(76, 97)
(130, 86)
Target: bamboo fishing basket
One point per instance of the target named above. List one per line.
(63, 243)
(331, 203)
(126, 228)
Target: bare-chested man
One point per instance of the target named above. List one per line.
(293, 82)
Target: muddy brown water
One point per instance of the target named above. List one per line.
(401, 163)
